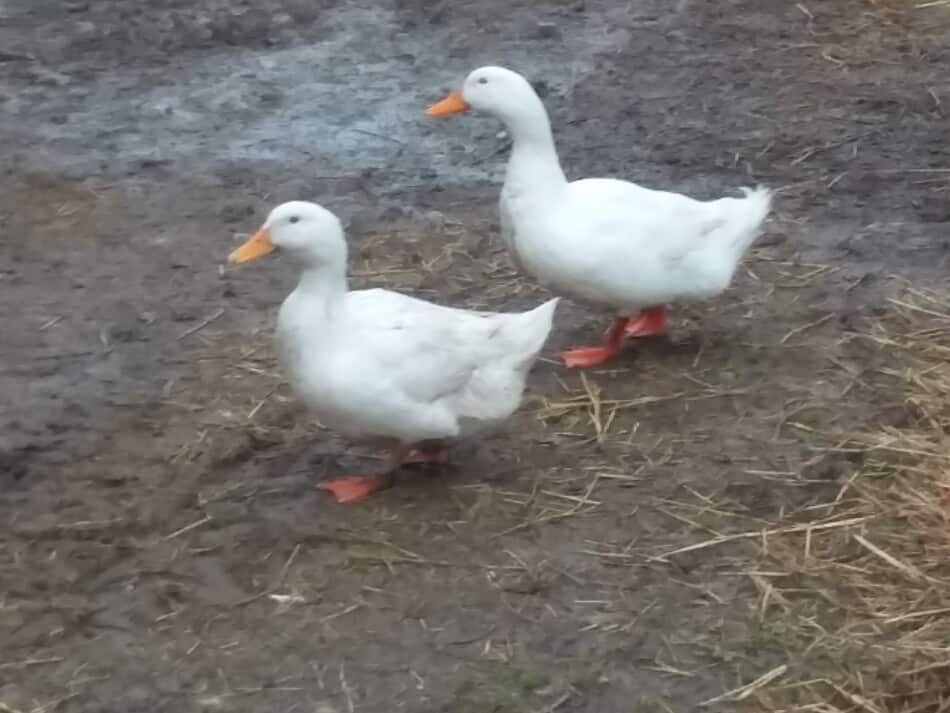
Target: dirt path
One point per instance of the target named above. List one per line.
(163, 545)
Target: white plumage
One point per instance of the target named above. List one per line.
(379, 365)
(603, 240)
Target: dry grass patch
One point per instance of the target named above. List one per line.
(858, 587)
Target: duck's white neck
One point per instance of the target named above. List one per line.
(534, 166)
(324, 285)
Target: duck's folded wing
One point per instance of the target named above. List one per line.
(723, 228)
(425, 351)
(623, 214)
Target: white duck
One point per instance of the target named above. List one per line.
(378, 365)
(603, 240)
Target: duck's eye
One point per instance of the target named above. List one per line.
(483, 80)
(294, 218)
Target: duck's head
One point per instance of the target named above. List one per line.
(308, 232)
(494, 90)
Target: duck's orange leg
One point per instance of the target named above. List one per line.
(595, 356)
(353, 488)
(647, 323)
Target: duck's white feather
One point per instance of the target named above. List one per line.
(387, 365)
(616, 243)
(379, 364)
(604, 240)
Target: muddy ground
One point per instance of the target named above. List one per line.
(164, 547)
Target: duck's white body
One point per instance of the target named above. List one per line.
(619, 245)
(378, 365)
(603, 240)
(375, 364)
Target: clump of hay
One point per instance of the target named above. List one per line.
(868, 605)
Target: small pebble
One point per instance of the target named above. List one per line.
(547, 31)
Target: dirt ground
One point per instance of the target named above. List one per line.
(163, 545)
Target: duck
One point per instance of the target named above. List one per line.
(383, 367)
(604, 241)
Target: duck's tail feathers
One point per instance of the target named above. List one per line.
(528, 331)
(755, 208)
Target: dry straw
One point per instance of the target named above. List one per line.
(868, 604)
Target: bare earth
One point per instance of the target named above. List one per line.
(163, 545)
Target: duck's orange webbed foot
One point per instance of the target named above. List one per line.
(353, 488)
(595, 356)
(649, 323)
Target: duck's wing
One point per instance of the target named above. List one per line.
(670, 225)
(615, 210)
(428, 352)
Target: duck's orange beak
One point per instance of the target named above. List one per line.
(257, 246)
(452, 104)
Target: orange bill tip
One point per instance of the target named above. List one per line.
(257, 246)
(452, 104)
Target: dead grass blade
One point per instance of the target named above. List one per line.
(743, 692)
(865, 591)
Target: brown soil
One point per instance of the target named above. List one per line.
(163, 545)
